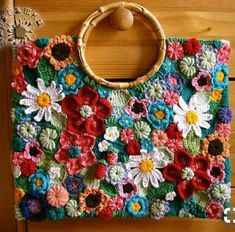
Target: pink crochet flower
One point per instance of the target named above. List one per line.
(33, 152)
(223, 53)
(175, 50)
(116, 203)
(29, 54)
(137, 108)
(159, 138)
(214, 210)
(19, 83)
(202, 82)
(57, 196)
(127, 188)
(174, 144)
(224, 129)
(171, 97)
(76, 151)
(18, 158)
(127, 135)
(216, 171)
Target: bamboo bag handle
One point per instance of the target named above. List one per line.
(122, 19)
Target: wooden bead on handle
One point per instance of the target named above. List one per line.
(122, 19)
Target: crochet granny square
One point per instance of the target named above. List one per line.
(85, 150)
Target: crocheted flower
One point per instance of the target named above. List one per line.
(192, 116)
(158, 208)
(173, 82)
(215, 147)
(187, 67)
(174, 50)
(54, 173)
(220, 192)
(29, 54)
(75, 151)
(142, 129)
(223, 53)
(116, 173)
(171, 97)
(214, 210)
(206, 58)
(159, 138)
(225, 115)
(202, 82)
(191, 46)
(33, 152)
(86, 112)
(136, 206)
(39, 182)
(116, 203)
(174, 144)
(70, 78)
(173, 132)
(18, 82)
(144, 168)
(56, 213)
(104, 92)
(74, 185)
(60, 51)
(127, 188)
(189, 173)
(137, 108)
(133, 148)
(126, 121)
(217, 171)
(42, 99)
(48, 139)
(168, 65)
(103, 145)
(19, 194)
(111, 134)
(126, 135)
(33, 208)
(220, 78)
(154, 91)
(72, 208)
(27, 130)
(170, 196)
(146, 144)
(93, 200)
(160, 115)
(223, 129)
(28, 167)
(57, 196)
(216, 95)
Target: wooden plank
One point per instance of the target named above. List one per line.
(202, 19)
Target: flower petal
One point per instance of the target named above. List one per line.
(94, 126)
(87, 96)
(185, 189)
(172, 173)
(183, 158)
(39, 115)
(201, 180)
(103, 108)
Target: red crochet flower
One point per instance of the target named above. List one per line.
(106, 213)
(76, 151)
(214, 210)
(29, 54)
(19, 83)
(173, 132)
(133, 148)
(28, 167)
(189, 173)
(86, 112)
(174, 50)
(192, 46)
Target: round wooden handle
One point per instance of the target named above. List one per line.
(104, 11)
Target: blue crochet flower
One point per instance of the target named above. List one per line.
(104, 92)
(160, 115)
(220, 78)
(137, 206)
(173, 82)
(169, 65)
(126, 121)
(33, 208)
(39, 182)
(146, 144)
(56, 213)
(70, 78)
(74, 185)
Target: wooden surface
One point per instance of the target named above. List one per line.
(117, 54)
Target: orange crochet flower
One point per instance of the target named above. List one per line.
(93, 200)
(19, 193)
(60, 51)
(159, 138)
(215, 147)
(57, 196)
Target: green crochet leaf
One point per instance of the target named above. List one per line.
(22, 183)
(87, 80)
(227, 169)
(46, 71)
(201, 198)
(108, 188)
(16, 99)
(58, 120)
(31, 76)
(111, 121)
(161, 191)
(192, 143)
(175, 207)
(119, 214)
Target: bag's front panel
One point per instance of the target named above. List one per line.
(85, 150)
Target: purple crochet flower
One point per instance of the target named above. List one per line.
(225, 115)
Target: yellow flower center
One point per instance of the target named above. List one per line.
(160, 114)
(216, 95)
(146, 165)
(70, 79)
(136, 206)
(44, 100)
(220, 76)
(191, 117)
(38, 183)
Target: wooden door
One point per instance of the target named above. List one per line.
(115, 54)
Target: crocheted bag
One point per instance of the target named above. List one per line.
(155, 147)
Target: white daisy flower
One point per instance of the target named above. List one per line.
(111, 133)
(42, 99)
(192, 116)
(144, 168)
